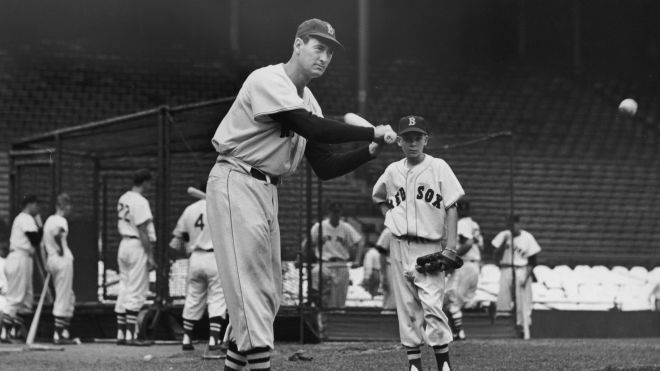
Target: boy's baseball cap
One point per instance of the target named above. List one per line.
(318, 28)
(410, 124)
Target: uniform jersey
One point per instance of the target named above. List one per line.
(193, 221)
(132, 211)
(336, 240)
(56, 224)
(473, 231)
(418, 197)
(18, 240)
(525, 245)
(248, 134)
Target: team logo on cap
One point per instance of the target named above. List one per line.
(331, 30)
(411, 121)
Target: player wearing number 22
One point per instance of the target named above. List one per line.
(204, 289)
(274, 122)
(418, 196)
(135, 256)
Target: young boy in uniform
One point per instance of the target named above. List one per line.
(418, 195)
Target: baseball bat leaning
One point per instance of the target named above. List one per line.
(192, 191)
(37, 314)
(356, 120)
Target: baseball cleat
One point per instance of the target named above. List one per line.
(187, 347)
(461, 335)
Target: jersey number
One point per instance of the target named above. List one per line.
(123, 211)
(199, 223)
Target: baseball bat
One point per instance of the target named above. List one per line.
(192, 191)
(37, 314)
(356, 120)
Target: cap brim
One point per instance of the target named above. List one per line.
(324, 37)
(412, 129)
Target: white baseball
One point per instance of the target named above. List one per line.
(628, 107)
(148, 357)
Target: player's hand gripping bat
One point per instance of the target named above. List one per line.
(356, 120)
(446, 260)
(192, 191)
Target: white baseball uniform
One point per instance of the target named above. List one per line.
(204, 287)
(60, 265)
(243, 210)
(132, 211)
(384, 241)
(336, 255)
(418, 198)
(19, 266)
(525, 245)
(462, 283)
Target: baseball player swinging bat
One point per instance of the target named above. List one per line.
(356, 120)
(192, 191)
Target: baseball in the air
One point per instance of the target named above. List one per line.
(148, 357)
(628, 107)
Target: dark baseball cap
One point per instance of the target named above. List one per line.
(412, 124)
(318, 28)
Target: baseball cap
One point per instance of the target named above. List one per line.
(464, 228)
(410, 124)
(318, 28)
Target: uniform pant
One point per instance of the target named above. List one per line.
(20, 294)
(133, 276)
(242, 216)
(336, 278)
(419, 296)
(61, 270)
(389, 301)
(523, 293)
(204, 288)
(462, 286)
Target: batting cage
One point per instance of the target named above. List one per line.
(94, 163)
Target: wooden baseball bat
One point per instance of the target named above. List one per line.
(37, 314)
(196, 193)
(357, 120)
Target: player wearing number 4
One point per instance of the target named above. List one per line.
(204, 288)
(418, 196)
(135, 256)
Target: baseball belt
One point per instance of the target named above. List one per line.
(416, 239)
(258, 174)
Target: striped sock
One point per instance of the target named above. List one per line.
(215, 327)
(442, 357)
(131, 328)
(188, 326)
(19, 324)
(259, 359)
(121, 326)
(458, 320)
(7, 324)
(235, 360)
(59, 327)
(414, 358)
(67, 325)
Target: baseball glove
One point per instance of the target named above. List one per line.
(443, 261)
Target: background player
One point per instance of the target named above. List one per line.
(59, 263)
(339, 240)
(135, 256)
(525, 250)
(417, 195)
(462, 284)
(24, 240)
(274, 121)
(203, 285)
(387, 278)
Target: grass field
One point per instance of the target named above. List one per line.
(536, 355)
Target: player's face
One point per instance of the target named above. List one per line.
(314, 56)
(413, 144)
(67, 209)
(33, 208)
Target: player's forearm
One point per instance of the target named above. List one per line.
(320, 129)
(144, 239)
(452, 223)
(327, 164)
